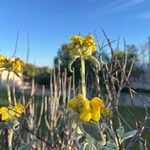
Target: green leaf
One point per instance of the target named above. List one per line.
(110, 146)
(129, 134)
(120, 132)
(110, 130)
(26, 146)
(93, 130)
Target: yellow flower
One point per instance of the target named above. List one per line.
(2, 61)
(9, 113)
(4, 113)
(17, 65)
(18, 109)
(86, 105)
(88, 40)
(82, 47)
(80, 97)
(73, 103)
(8, 64)
(86, 111)
(96, 105)
(89, 43)
(89, 110)
(96, 115)
(106, 112)
(85, 116)
(2, 58)
(82, 106)
(97, 102)
(76, 103)
(77, 40)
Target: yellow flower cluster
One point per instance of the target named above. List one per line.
(9, 113)
(82, 47)
(89, 110)
(11, 64)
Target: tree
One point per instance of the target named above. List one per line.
(41, 74)
(131, 52)
(28, 71)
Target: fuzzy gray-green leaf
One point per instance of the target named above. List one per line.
(93, 130)
(129, 134)
(110, 130)
(120, 131)
(26, 146)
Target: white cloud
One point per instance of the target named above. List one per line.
(118, 5)
(114, 6)
(128, 4)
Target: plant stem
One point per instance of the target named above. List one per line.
(9, 138)
(8, 90)
(90, 145)
(83, 77)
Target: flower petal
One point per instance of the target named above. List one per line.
(96, 115)
(97, 102)
(86, 116)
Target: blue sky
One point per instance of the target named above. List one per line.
(50, 23)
